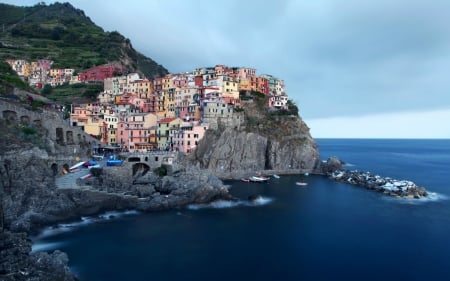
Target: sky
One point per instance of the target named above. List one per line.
(355, 68)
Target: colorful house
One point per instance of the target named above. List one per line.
(101, 72)
(165, 125)
(186, 138)
(136, 131)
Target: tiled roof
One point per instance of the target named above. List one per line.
(166, 120)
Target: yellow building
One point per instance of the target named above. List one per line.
(167, 82)
(166, 103)
(143, 88)
(229, 87)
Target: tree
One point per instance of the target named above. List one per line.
(47, 90)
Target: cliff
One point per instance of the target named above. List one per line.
(64, 34)
(34, 147)
(265, 141)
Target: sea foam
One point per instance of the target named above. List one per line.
(431, 197)
(66, 227)
(222, 204)
(39, 247)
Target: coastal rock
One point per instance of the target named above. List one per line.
(18, 263)
(332, 164)
(234, 153)
(254, 197)
(386, 185)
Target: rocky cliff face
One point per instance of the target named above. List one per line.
(18, 264)
(265, 143)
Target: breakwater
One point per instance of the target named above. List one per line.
(386, 185)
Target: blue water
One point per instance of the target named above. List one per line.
(326, 231)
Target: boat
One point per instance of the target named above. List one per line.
(258, 179)
(77, 167)
(114, 162)
(306, 174)
(245, 180)
(276, 176)
(301, 183)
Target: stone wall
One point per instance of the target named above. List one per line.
(70, 140)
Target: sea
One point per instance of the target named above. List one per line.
(324, 231)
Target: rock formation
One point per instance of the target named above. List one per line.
(264, 143)
(17, 264)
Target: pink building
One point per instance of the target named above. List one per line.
(180, 80)
(137, 132)
(157, 84)
(187, 137)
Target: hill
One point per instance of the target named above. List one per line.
(67, 36)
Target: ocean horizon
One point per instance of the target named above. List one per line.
(325, 231)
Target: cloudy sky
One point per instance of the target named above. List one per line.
(355, 68)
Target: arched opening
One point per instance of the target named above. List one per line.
(54, 168)
(37, 123)
(65, 168)
(134, 159)
(10, 116)
(140, 169)
(25, 120)
(59, 136)
(146, 158)
(69, 137)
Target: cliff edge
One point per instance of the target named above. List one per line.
(262, 141)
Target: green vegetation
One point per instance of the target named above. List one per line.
(9, 79)
(292, 110)
(75, 93)
(21, 135)
(67, 36)
(160, 171)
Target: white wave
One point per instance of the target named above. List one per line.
(349, 165)
(222, 204)
(39, 247)
(117, 214)
(66, 227)
(259, 201)
(62, 228)
(219, 204)
(431, 197)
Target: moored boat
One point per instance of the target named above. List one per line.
(301, 183)
(259, 179)
(276, 176)
(245, 180)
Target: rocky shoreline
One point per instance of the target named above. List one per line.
(386, 185)
(30, 201)
(18, 263)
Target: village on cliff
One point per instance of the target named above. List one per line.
(172, 112)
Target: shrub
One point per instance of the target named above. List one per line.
(161, 171)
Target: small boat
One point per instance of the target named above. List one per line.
(301, 183)
(114, 162)
(259, 179)
(306, 174)
(276, 176)
(77, 167)
(245, 180)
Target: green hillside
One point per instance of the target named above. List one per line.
(67, 36)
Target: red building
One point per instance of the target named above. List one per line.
(99, 73)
